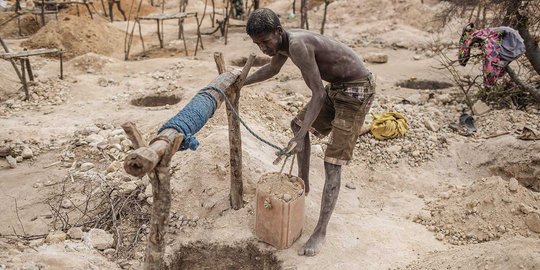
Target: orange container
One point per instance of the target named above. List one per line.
(279, 223)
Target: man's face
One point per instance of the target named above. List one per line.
(268, 43)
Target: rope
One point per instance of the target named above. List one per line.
(197, 112)
(281, 151)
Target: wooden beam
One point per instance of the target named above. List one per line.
(145, 159)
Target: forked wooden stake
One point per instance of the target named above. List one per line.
(160, 179)
(235, 136)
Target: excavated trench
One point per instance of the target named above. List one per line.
(242, 256)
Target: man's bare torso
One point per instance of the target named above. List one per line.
(336, 61)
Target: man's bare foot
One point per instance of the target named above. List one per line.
(313, 245)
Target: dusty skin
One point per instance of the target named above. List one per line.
(403, 203)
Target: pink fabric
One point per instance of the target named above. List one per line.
(493, 67)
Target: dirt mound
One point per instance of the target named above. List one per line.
(46, 92)
(126, 5)
(507, 156)
(89, 62)
(77, 36)
(489, 209)
(29, 25)
(500, 255)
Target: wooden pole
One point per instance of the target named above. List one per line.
(119, 6)
(160, 179)
(326, 3)
(23, 80)
(304, 15)
(42, 13)
(104, 9)
(88, 8)
(199, 37)
(61, 64)
(159, 35)
(29, 70)
(235, 136)
(6, 49)
(145, 159)
(213, 13)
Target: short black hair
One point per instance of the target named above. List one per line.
(262, 21)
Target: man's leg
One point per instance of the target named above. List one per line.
(330, 194)
(303, 157)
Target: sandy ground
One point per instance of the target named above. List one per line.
(387, 217)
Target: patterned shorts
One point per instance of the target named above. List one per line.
(343, 115)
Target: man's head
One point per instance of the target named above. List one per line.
(265, 30)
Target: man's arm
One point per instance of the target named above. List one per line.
(303, 57)
(267, 71)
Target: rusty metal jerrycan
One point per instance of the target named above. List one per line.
(279, 222)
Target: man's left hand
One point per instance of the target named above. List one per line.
(296, 144)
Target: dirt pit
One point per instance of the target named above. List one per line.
(423, 84)
(156, 100)
(281, 186)
(245, 256)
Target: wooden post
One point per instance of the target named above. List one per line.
(88, 8)
(159, 34)
(110, 3)
(304, 15)
(23, 79)
(6, 49)
(199, 37)
(160, 179)
(61, 64)
(230, 7)
(145, 159)
(235, 136)
(119, 6)
(104, 9)
(326, 3)
(213, 13)
(42, 13)
(29, 69)
(140, 34)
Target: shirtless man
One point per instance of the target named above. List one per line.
(339, 107)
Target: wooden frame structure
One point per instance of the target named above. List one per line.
(180, 16)
(154, 159)
(26, 68)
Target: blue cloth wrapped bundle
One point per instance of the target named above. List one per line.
(192, 118)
